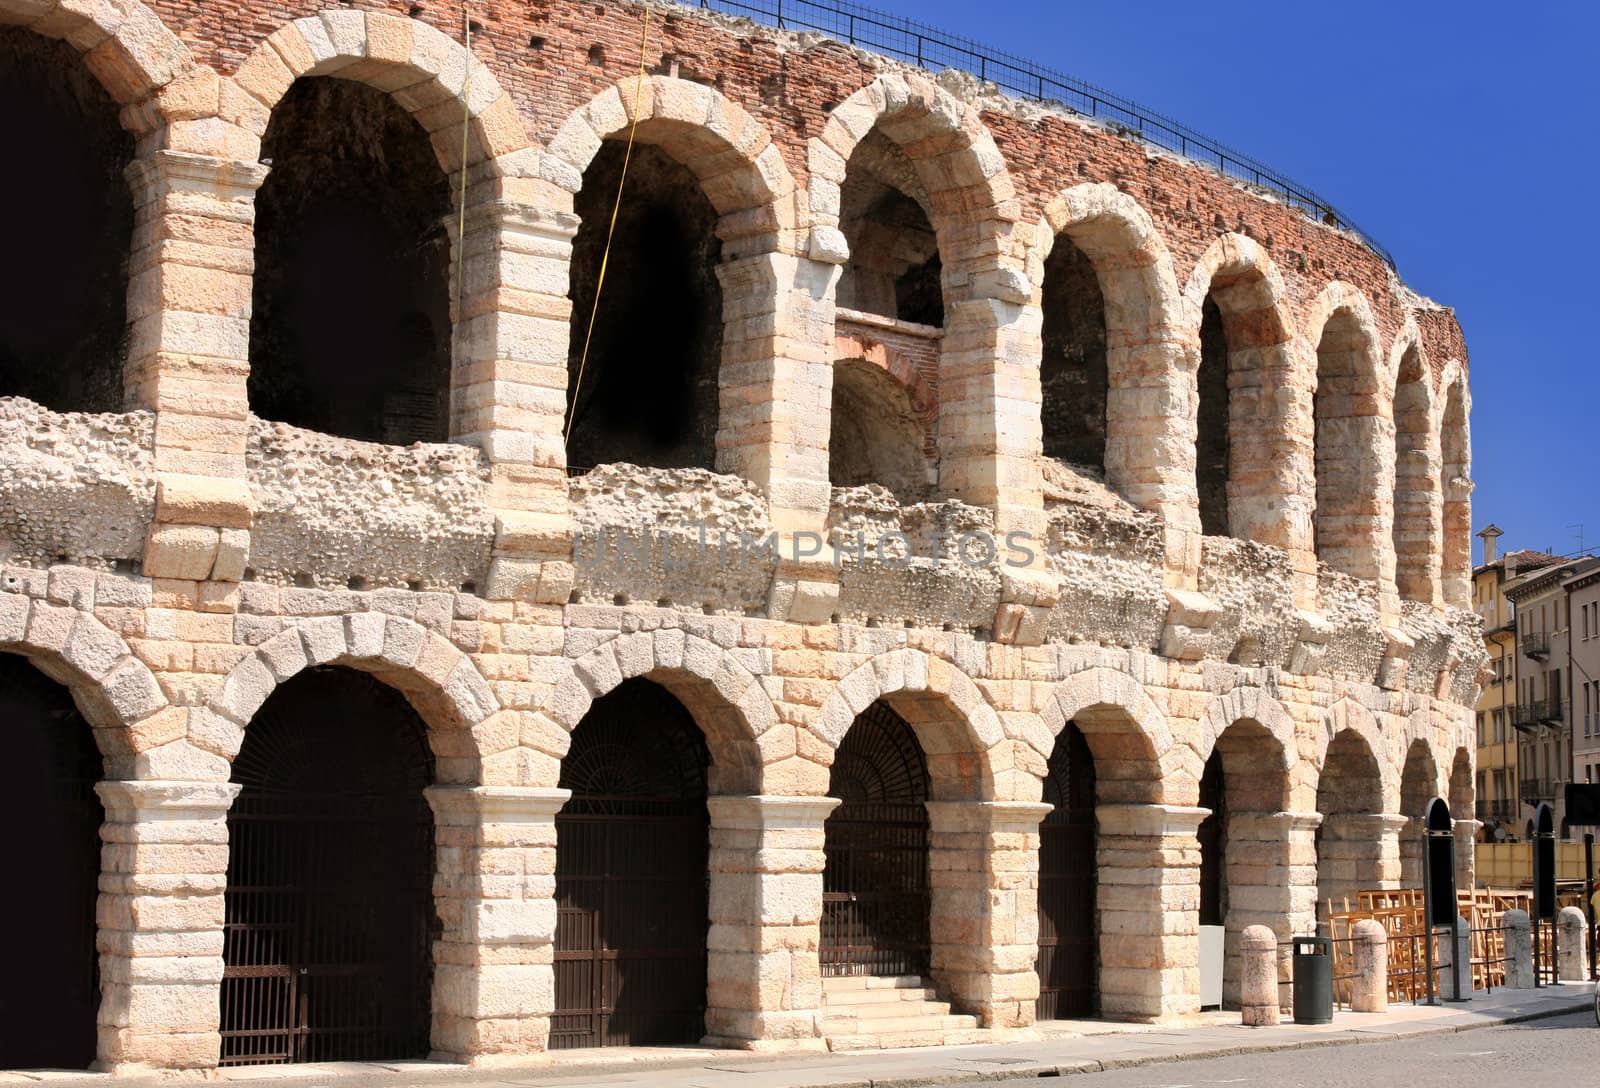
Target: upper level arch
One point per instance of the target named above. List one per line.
(1455, 454)
(1136, 760)
(1144, 361)
(1416, 528)
(1349, 431)
(126, 45)
(1251, 465)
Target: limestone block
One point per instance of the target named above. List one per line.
(181, 551)
(203, 500)
(1572, 954)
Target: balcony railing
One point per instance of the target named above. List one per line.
(1501, 808)
(1538, 712)
(1538, 789)
(1534, 644)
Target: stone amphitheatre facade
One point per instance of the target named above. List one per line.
(299, 561)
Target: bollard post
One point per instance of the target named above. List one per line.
(1570, 958)
(1370, 992)
(1461, 961)
(1519, 949)
(1258, 977)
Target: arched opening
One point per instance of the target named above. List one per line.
(1243, 845)
(1345, 500)
(330, 920)
(1415, 502)
(875, 888)
(350, 327)
(1073, 372)
(1069, 931)
(877, 435)
(631, 849)
(894, 269)
(1462, 795)
(1419, 784)
(647, 391)
(50, 991)
(1212, 455)
(1349, 844)
(63, 287)
(1456, 545)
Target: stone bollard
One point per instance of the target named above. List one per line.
(1455, 981)
(1258, 981)
(1369, 991)
(1519, 949)
(1572, 960)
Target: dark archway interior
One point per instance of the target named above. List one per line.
(1213, 836)
(63, 286)
(350, 331)
(648, 391)
(1211, 445)
(894, 268)
(1069, 933)
(631, 851)
(330, 919)
(1073, 370)
(50, 989)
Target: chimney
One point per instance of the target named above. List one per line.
(1490, 535)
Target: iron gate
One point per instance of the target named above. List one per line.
(631, 848)
(329, 919)
(875, 879)
(1068, 963)
(50, 990)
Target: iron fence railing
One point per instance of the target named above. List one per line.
(915, 43)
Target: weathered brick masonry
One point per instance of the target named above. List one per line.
(176, 564)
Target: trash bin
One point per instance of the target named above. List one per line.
(1313, 980)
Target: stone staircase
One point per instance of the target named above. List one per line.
(867, 1012)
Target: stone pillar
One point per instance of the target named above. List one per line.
(777, 382)
(1359, 852)
(1572, 954)
(1369, 991)
(1271, 876)
(764, 983)
(189, 297)
(1258, 991)
(163, 870)
(494, 888)
(1466, 838)
(983, 861)
(1454, 976)
(1149, 897)
(508, 388)
(1519, 949)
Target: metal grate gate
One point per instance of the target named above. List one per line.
(631, 849)
(1068, 963)
(329, 918)
(50, 990)
(875, 895)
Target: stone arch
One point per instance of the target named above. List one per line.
(957, 728)
(740, 169)
(1246, 704)
(1455, 455)
(1418, 503)
(1235, 312)
(116, 692)
(877, 433)
(1149, 459)
(432, 76)
(126, 45)
(1135, 757)
(437, 679)
(727, 701)
(1350, 432)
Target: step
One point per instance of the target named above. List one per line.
(885, 1010)
(897, 1025)
(841, 998)
(848, 983)
(892, 1041)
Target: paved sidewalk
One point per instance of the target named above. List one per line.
(1067, 1047)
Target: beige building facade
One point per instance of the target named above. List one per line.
(462, 748)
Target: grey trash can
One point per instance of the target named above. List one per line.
(1313, 980)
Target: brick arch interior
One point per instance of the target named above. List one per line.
(64, 289)
(895, 266)
(877, 435)
(1347, 419)
(1073, 371)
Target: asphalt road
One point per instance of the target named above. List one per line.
(1562, 1052)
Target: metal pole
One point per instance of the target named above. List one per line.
(1588, 897)
(1427, 919)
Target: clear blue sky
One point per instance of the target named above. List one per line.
(1464, 136)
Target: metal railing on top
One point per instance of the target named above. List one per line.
(908, 40)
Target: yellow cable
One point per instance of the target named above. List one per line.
(466, 129)
(605, 254)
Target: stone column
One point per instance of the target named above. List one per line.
(1149, 899)
(1271, 877)
(1572, 953)
(494, 888)
(1359, 852)
(763, 980)
(1519, 949)
(1466, 833)
(983, 861)
(163, 870)
(189, 297)
(1258, 1001)
(1369, 991)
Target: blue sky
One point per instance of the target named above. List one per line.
(1464, 136)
